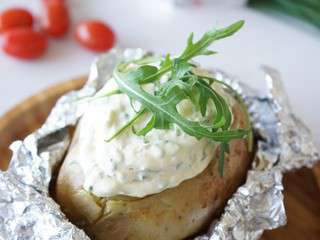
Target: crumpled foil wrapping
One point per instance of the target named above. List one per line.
(283, 143)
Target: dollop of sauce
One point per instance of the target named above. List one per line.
(131, 165)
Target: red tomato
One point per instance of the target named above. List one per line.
(95, 35)
(24, 43)
(15, 17)
(56, 19)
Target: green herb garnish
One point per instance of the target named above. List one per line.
(183, 84)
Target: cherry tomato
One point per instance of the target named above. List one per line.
(15, 17)
(24, 43)
(56, 18)
(95, 35)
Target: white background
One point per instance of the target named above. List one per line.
(284, 43)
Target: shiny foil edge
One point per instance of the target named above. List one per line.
(285, 143)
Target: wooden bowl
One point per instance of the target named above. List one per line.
(302, 195)
(30, 115)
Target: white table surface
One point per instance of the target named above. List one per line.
(288, 45)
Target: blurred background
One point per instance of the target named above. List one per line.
(282, 34)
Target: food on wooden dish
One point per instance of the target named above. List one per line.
(158, 152)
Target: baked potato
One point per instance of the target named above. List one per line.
(184, 192)
(172, 214)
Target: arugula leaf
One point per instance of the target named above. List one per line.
(142, 73)
(183, 84)
(164, 110)
(179, 68)
(200, 48)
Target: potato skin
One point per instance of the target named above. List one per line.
(173, 214)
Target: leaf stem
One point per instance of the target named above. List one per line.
(128, 124)
(113, 92)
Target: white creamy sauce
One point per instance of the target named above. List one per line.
(131, 165)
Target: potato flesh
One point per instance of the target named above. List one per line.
(173, 214)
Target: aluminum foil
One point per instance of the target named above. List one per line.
(284, 143)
